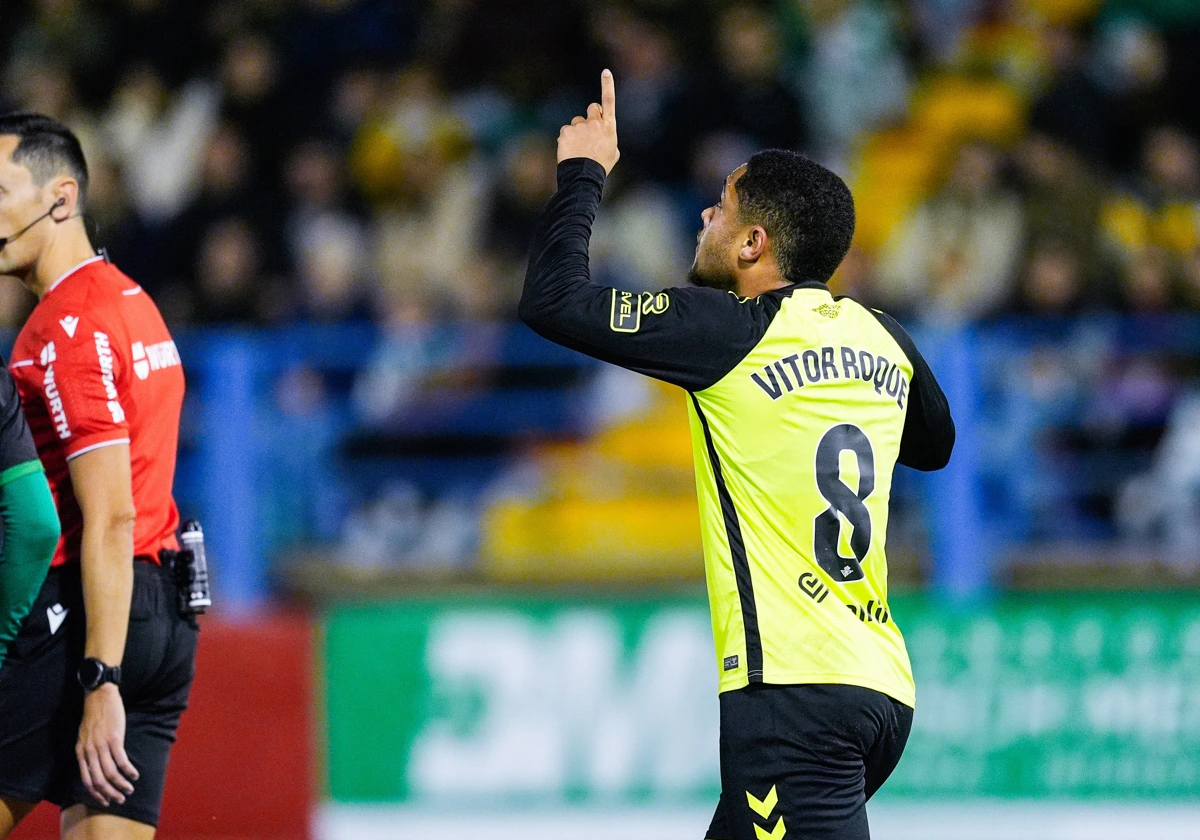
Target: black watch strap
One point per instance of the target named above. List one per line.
(93, 673)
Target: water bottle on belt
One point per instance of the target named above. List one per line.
(191, 570)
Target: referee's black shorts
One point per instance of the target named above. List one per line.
(807, 755)
(41, 702)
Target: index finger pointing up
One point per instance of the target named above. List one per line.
(608, 96)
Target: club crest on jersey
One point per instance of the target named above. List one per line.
(69, 324)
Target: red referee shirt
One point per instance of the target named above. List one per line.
(96, 366)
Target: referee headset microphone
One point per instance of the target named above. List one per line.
(4, 240)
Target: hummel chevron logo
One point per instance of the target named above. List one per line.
(69, 324)
(56, 615)
(763, 807)
(762, 834)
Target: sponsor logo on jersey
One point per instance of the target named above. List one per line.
(626, 312)
(104, 353)
(69, 323)
(49, 354)
(53, 399)
(872, 612)
(812, 586)
(151, 357)
(628, 309)
(730, 663)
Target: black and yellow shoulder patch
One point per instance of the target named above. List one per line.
(629, 307)
(626, 312)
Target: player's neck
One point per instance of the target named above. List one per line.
(69, 247)
(751, 284)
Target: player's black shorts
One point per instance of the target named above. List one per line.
(41, 702)
(809, 755)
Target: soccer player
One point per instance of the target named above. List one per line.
(800, 404)
(29, 522)
(97, 679)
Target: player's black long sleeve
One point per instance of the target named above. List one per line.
(928, 427)
(690, 337)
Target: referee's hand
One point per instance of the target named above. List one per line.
(594, 136)
(105, 769)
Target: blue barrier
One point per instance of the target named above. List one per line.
(271, 457)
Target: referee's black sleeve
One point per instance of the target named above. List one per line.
(691, 337)
(928, 427)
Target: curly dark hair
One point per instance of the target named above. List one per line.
(806, 210)
(46, 148)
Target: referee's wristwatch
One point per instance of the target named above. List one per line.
(93, 673)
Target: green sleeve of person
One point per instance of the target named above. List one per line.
(31, 531)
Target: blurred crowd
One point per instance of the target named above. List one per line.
(278, 161)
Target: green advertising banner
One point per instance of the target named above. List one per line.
(510, 701)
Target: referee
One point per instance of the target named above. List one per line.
(97, 678)
(801, 404)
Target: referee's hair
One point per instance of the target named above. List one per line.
(806, 210)
(46, 148)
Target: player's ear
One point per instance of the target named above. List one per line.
(754, 244)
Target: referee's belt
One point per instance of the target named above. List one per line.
(166, 558)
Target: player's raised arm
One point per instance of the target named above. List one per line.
(670, 334)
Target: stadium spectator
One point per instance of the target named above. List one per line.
(331, 271)
(1052, 282)
(226, 285)
(518, 196)
(159, 136)
(754, 100)
(251, 97)
(1152, 226)
(658, 100)
(1077, 109)
(227, 187)
(70, 34)
(1062, 200)
(957, 254)
(413, 161)
(854, 77)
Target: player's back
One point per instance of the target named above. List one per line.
(795, 449)
(96, 366)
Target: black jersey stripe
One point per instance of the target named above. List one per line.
(737, 551)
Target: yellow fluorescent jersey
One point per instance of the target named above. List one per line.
(795, 448)
(801, 404)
